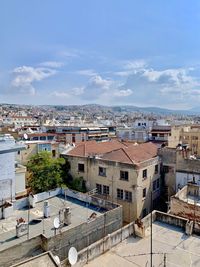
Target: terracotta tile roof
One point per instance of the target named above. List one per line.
(133, 154)
(116, 151)
(89, 148)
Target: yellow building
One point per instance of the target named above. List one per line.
(186, 135)
(121, 172)
(33, 147)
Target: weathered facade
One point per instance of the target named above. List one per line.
(186, 204)
(118, 177)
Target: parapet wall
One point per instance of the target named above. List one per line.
(190, 211)
(84, 234)
(145, 223)
(103, 245)
(80, 236)
(22, 251)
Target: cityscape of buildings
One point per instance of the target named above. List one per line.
(99, 133)
(132, 182)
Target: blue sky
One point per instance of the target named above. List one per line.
(109, 52)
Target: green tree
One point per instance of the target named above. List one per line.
(45, 172)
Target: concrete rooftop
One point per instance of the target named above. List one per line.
(43, 260)
(181, 250)
(79, 214)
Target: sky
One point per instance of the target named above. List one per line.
(110, 52)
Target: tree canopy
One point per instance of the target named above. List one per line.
(45, 172)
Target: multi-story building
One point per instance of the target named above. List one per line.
(186, 135)
(185, 203)
(34, 147)
(19, 120)
(11, 182)
(160, 133)
(121, 172)
(75, 134)
(133, 134)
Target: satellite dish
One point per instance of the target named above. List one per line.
(56, 223)
(72, 255)
(25, 136)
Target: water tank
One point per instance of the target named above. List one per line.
(67, 216)
(46, 209)
(32, 200)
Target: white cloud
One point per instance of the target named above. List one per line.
(130, 67)
(163, 87)
(86, 72)
(25, 76)
(70, 53)
(125, 92)
(123, 73)
(77, 91)
(134, 64)
(98, 81)
(52, 64)
(60, 94)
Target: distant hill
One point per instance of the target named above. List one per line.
(118, 108)
(157, 110)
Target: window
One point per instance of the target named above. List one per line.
(106, 190)
(73, 138)
(128, 196)
(166, 169)
(156, 168)
(154, 185)
(99, 188)
(119, 193)
(144, 174)
(53, 153)
(144, 192)
(81, 167)
(102, 171)
(124, 175)
(144, 213)
(158, 183)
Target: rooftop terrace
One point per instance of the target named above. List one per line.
(180, 249)
(80, 212)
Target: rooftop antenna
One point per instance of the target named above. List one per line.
(56, 224)
(72, 255)
(25, 136)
